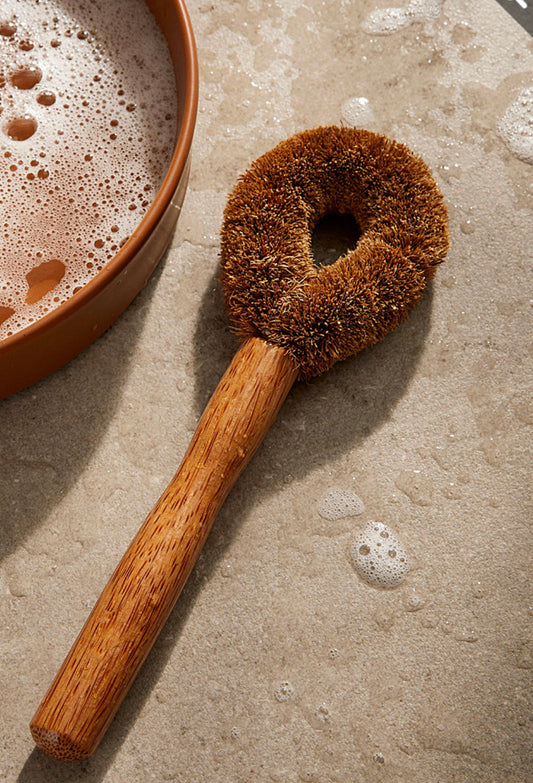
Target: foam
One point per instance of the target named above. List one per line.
(379, 557)
(95, 80)
(340, 503)
(386, 21)
(516, 126)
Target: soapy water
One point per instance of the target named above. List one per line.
(516, 126)
(385, 21)
(340, 503)
(87, 129)
(379, 557)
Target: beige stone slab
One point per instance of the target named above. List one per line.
(279, 663)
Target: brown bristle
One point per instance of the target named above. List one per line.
(322, 315)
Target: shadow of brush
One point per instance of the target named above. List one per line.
(319, 421)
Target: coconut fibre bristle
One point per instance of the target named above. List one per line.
(322, 315)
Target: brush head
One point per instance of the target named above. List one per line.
(322, 315)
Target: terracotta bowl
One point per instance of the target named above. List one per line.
(57, 337)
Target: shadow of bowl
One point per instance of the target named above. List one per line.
(50, 430)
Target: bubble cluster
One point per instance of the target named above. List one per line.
(516, 126)
(379, 557)
(87, 129)
(284, 691)
(340, 503)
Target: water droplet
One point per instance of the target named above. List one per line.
(467, 226)
(416, 486)
(357, 111)
(465, 635)
(19, 587)
(429, 621)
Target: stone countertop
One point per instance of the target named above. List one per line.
(279, 663)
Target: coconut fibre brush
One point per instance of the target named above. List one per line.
(296, 321)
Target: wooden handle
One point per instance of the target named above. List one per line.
(121, 629)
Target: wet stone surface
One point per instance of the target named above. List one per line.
(279, 662)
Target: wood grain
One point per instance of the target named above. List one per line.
(127, 618)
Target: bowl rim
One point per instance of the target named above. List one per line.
(116, 265)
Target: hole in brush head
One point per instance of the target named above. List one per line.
(332, 237)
